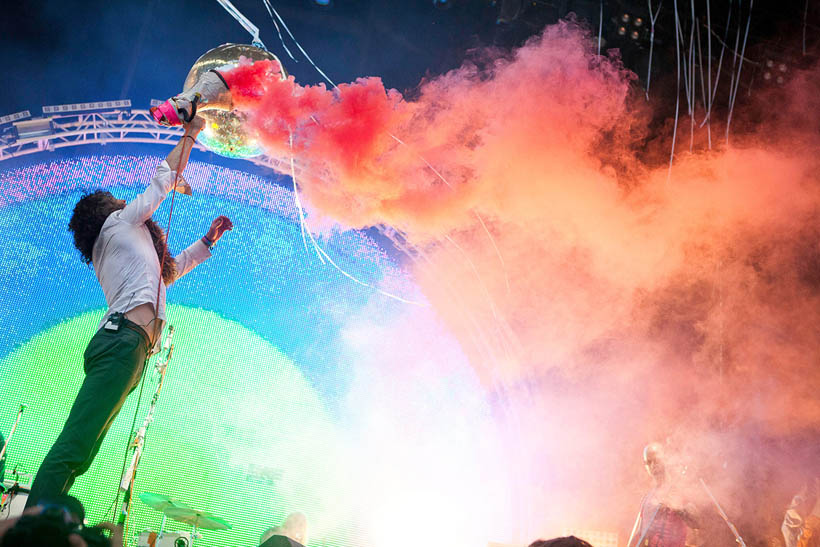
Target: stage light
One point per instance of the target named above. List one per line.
(443, 4)
(323, 3)
(17, 116)
(630, 24)
(29, 129)
(775, 71)
(86, 107)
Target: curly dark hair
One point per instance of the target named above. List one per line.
(88, 218)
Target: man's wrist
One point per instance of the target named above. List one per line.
(208, 242)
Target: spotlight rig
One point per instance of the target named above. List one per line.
(775, 63)
(630, 27)
(774, 72)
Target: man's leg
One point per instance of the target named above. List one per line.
(113, 365)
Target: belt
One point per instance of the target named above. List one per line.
(133, 326)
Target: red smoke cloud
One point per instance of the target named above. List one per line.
(604, 302)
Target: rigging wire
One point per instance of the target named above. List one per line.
(254, 31)
(713, 90)
(652, 19)
(677, 94)
(708, 106)
(739, 70)
(702, 83)
(321, 253)
(278, 30)
(690, 95)
(275, 16)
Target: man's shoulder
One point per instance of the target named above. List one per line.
(113, 226)
(116, 218)
(112, 219)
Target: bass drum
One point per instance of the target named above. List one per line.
(168, 539)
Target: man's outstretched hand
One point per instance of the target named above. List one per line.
(219, 226)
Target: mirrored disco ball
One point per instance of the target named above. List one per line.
(224, 131)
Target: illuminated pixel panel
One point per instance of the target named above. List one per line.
(280, 396)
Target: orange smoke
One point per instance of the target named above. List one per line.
(604, 302)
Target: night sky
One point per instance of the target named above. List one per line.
(67, 52)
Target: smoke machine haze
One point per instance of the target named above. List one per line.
(603, 300)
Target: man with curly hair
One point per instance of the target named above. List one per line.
(128, 252)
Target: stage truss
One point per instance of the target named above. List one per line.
(126, 125)
(107, 126)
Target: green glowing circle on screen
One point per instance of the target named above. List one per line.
(238, 431)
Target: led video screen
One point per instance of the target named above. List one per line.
(280, 395)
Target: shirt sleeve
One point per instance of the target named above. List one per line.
(143, 206)
(195, 254)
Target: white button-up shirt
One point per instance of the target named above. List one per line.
(124, 256)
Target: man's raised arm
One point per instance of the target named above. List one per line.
(143, 206)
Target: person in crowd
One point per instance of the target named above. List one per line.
(801, 525)
(664, 518)
(57, 523)
(569, 541)
(294, 527)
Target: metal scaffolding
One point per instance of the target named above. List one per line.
(115, 125)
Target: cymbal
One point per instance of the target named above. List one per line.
(160, 502)
(200, 519)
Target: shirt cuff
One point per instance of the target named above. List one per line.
(200, 251)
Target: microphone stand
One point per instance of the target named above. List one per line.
(127, 482)
(14, 489)
(13, 429)
(723, 515)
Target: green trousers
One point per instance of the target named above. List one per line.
(113, 362)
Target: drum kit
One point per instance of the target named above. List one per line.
(180, 512)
